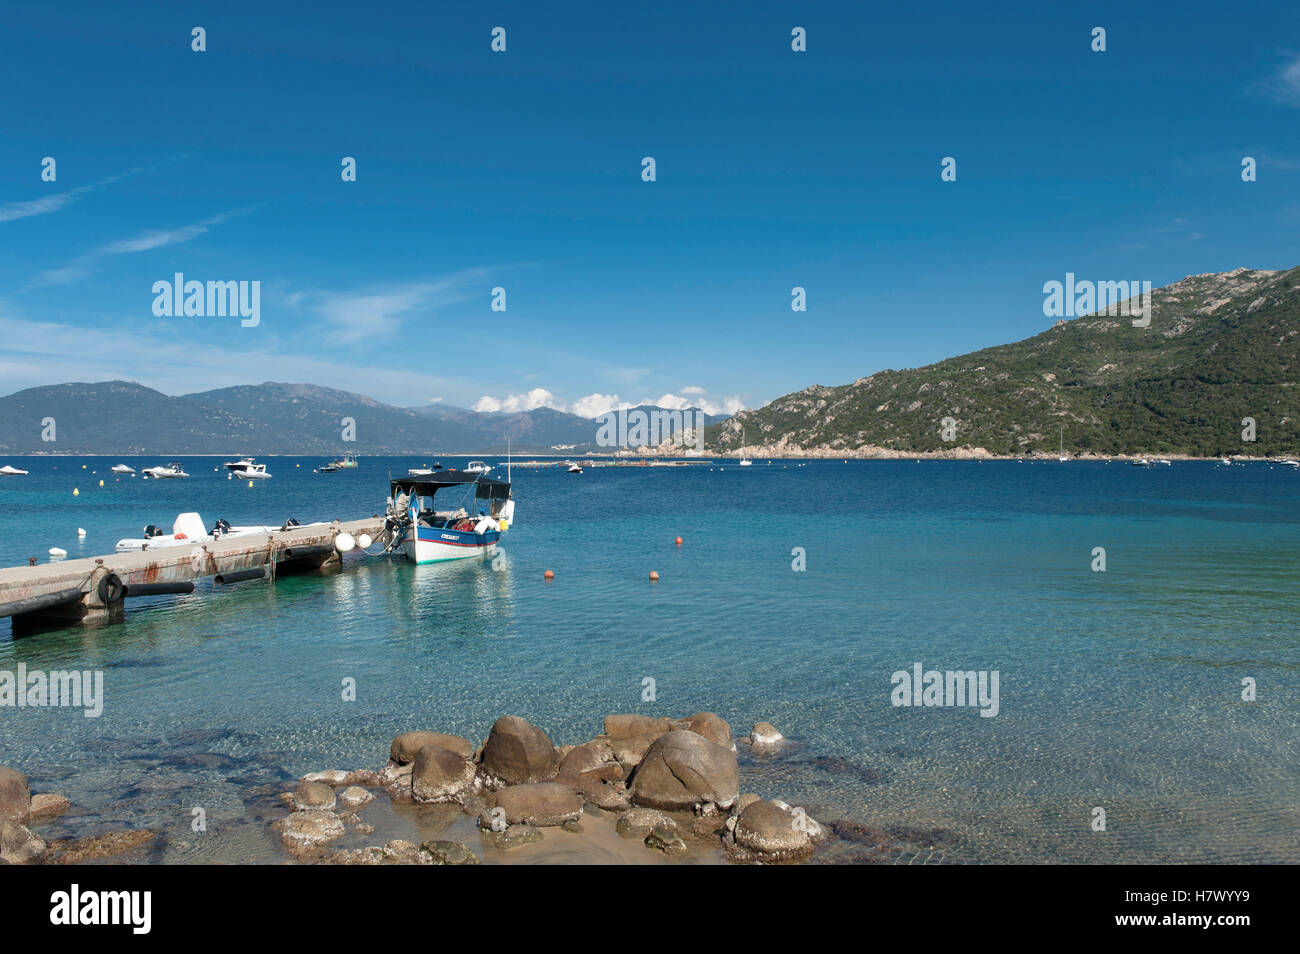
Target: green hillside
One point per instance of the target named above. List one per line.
(1219, 348)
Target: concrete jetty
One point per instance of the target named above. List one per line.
(95, 589)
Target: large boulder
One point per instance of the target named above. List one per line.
(440, 775)
(594, 759)
(772, 831)
(683, 769)
(630, 750)
(15, 796)
(713, 727)
(626, 725)
(19, 845)
(519, 753)
(406, 745)
(540, 804)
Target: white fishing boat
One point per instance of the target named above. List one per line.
(1140, 462)
(171, 472)
(346, 462)
(122, 469)
(477, 467)
(242, 463)
(473, 527)
(1163, 462)
(188, 529)
(427, 471)
(253, 472)
(575, 468)
(9, 471)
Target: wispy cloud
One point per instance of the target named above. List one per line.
(84, 265)
(355, 316)
(1284, 85)
(13, 211)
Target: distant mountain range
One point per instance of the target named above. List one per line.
(1219, 348)
(121, 417)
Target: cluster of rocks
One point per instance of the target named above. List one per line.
(672, 782)
(19, 810)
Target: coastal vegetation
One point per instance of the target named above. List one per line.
(1220, 348)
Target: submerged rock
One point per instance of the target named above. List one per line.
(355, 797)
(310, 829)
(310, 795)
(449, 853)
(333, 777)
(440, 775)
(640, 822)
(683, 769)
(666, 840)
(519, 753)
(516, 836)
(46, 807)
(105, 845)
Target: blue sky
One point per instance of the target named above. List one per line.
(522, 170)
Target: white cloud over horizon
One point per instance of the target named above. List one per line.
(594, 405)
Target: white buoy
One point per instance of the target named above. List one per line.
(81, 532)
(58, 552)
(364, 541)
(344, 542)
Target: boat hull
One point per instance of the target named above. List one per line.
(437, 545)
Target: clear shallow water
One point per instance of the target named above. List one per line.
(1118, 689)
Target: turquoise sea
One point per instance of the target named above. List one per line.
(1118, 689)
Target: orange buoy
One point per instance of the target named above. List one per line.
(654, 576)
(679, 541)
(549, 574)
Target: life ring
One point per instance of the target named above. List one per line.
(110, 589)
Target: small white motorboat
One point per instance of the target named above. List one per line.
(253, 472)
(234, 465)
(1163, 462)
(428, 471)
(477, 467)
(170, 472)
(8, 471)
(1140, 462)
(188, 529)
(122, 469)
(575, 468)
